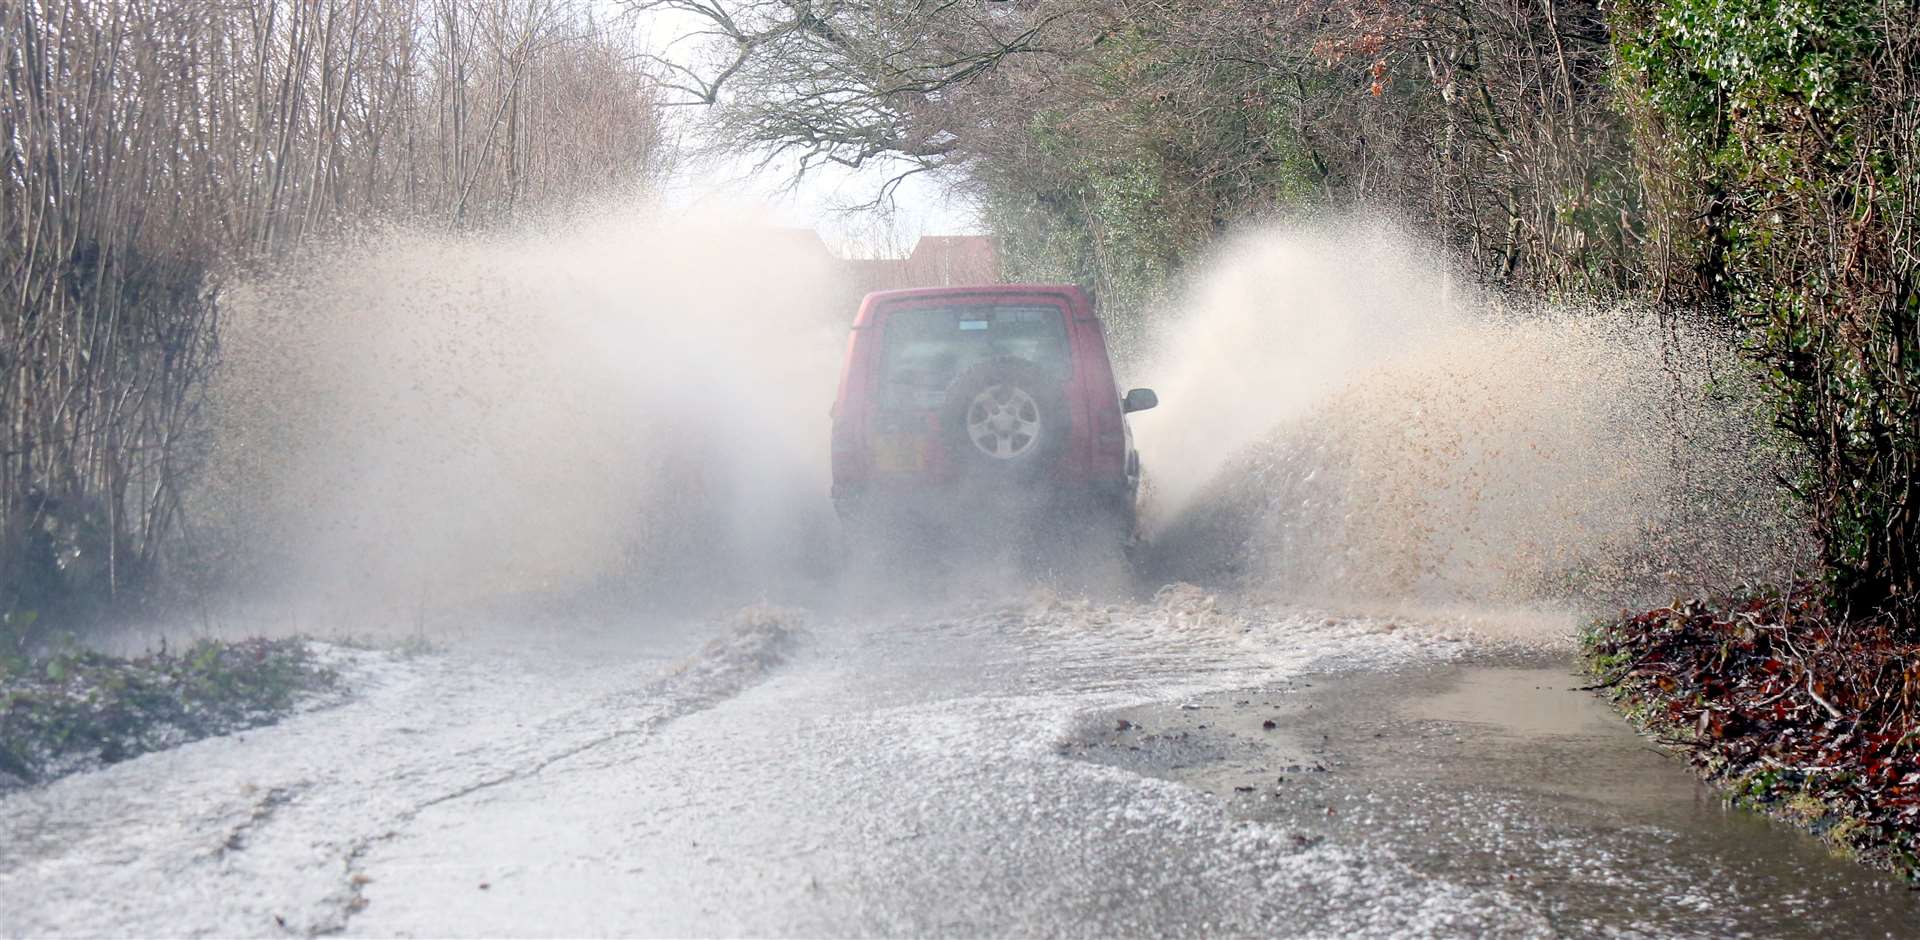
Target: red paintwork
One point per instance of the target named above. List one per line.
(1098, 442)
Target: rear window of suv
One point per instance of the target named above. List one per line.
(925, 348)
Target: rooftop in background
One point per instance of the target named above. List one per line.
(936, 261)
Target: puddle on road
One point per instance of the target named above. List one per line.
(1507, 777)
(1522, 702)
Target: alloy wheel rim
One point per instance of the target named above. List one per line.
(1003, 422)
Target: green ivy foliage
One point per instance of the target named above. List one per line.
(1791, 127)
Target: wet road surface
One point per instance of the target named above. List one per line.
(1048, 767)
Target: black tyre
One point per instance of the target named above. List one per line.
(1005, 418)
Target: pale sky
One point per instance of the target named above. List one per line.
(921, 205)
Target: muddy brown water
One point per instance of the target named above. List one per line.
(1507, 776)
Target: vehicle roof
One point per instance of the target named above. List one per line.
(1076, 298)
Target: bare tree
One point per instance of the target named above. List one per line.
(1144, 127)
(147, 147)
(896, 82)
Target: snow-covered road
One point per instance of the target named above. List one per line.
(796, 775)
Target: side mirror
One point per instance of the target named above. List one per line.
(1138, 399)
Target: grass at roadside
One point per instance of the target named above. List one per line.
(1792, 711)
(78, 710)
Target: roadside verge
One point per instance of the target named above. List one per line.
(1790, 709)
(81, 710)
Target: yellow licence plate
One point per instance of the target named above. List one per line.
(899, 453)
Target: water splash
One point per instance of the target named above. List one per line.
(423, 420)
(1345, 424)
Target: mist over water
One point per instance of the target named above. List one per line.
(1346, 424)
(424, 420)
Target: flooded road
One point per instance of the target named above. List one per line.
(1503, 774)
(1043, 767)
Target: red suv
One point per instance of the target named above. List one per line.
(964, 403)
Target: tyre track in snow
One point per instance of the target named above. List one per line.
(261, 832)
(726, 667)
(906, 778)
